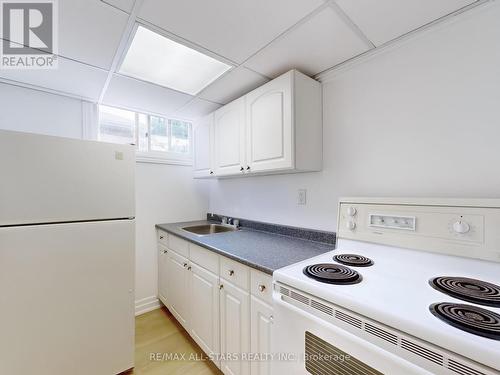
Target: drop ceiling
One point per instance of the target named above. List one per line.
(259, 39)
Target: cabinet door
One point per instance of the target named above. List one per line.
(163, 274)
(178, 287)
(204, 299)
(203, 142)
(229, 138)
(261, 323)
(269, 126)
(235, 328)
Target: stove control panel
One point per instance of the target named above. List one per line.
(470, 231)
(392, 221)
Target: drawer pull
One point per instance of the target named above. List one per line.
(231, 273)
(165, 251)
(161, 237)
(185, 265)
(262, 288)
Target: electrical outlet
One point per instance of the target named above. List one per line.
(302, 197)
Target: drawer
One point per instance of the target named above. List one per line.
(162, 237)
(204, 258)
(261, 285)
(236, 273)
(179, 245)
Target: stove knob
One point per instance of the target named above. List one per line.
(461, 227)
(351, 225)
(351, 211)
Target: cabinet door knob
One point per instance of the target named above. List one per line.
(185, 265)
(211, 172)
(221, 286)
(262, 288)
(189, 268)
(231, 273)
(248, 167)
(164, 251)
(242, 169)
(161, 237)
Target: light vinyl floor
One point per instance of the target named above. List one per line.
(159, 332)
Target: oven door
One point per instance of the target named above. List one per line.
(306, 344)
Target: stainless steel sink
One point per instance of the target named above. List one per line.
(203, 230)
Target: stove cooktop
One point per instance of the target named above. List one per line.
(395, 291)
(469, 318)
(467, 289)
(353, 260)
(332, 274)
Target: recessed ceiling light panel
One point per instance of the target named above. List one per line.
(154, 58)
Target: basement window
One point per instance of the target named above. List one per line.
(157, 139)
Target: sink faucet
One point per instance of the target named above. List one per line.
(231, 222)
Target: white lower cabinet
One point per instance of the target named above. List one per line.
(162, 274)
(178, 277)
(204, 300)
(232, 318)
(260, 345)
(235, 328)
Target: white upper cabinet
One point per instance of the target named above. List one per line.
(276, 128)
(229, 138)
(203, 140)
(269, 128)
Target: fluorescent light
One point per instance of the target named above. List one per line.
(154, 58)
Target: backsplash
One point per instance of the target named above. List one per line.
(306, 234)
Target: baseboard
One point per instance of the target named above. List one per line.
(146, 304)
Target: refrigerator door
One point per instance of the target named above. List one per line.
(67, 299)
(46, 179)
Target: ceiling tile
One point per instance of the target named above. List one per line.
(233, 85)
(90, 31)
(233, 29)
(125, 5)
(384, 20)
(197, 108)
(319, 43)
(70, 77)
(142, 96)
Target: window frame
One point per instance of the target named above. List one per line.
(151, 156)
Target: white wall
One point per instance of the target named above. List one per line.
(164, 193)
(34, 111)
(421, 119)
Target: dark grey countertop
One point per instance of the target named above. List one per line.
(264, 251)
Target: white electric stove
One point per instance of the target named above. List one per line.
(412, 288)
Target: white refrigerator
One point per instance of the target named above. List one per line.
(67, 240)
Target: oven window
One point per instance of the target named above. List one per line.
(322, 358)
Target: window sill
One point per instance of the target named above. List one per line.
(144, 158)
